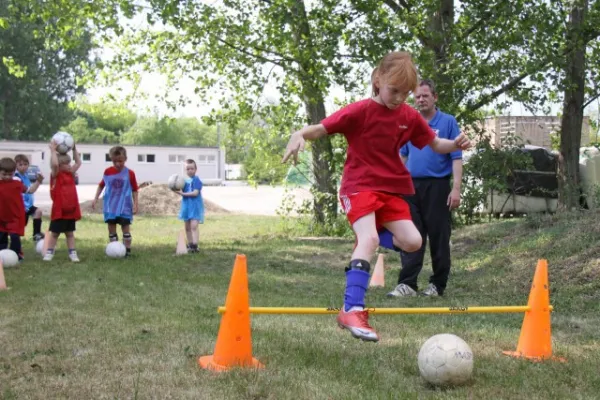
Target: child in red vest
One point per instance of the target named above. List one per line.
(12, 210)
(65, 203)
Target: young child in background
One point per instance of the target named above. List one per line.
(192, 205)
(30, 209)
(65, 202)
(374, 178)
(12, 210)
(120, 201)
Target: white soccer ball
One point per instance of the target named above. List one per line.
(9, 258)
(446, 359)
(39, 246)
(64, 142)
(116, 250)
(176, 182)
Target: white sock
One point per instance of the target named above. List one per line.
(355, 308)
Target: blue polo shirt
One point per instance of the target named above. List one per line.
(426, 163)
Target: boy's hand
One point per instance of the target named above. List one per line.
(135, 208)
(94, 204)
(462, 142)
(295, 145)
(453, 199)
(52, 145)
(40, 177)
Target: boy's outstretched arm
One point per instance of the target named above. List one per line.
(77, 159)
(134, 195)
(53, 159)
(445, 146)
(98, 191)
(35, 185)
(297, 141)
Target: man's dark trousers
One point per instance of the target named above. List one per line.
(431, 215)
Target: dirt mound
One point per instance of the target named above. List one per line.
(156, 200)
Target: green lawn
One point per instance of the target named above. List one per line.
(134, 328)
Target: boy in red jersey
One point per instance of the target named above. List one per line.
(12, 209)
(120, 200)
(65, 202)
(374, 177)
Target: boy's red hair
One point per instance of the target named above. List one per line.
(398, 69)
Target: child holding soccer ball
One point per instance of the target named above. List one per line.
(192, 205)
(65, 202)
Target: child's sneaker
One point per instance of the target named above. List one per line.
(431, 291)
(73, 256)
(37, 237)
(357, 322)
(402, 290)
(49, 256)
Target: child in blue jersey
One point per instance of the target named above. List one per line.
(30, 209)
(192, 205)
(120, 201)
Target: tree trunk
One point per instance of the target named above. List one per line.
(325, 198)
(440, 26)
(325, 202)
(572, 119)
(4, 96)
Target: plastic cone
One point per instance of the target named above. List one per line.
(181, 244)
(378, 277)
(2, 281)
(535, 341)
(234, 341)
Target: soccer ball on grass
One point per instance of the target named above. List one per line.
(446, 360)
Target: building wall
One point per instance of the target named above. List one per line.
(150, 163)
(534, 130)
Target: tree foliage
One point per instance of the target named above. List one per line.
(38, 75)
(481, 53)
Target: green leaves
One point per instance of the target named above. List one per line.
(13, 68)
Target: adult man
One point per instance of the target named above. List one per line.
(433, 200)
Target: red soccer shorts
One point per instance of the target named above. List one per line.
(387, 207)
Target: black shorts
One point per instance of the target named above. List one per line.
(29, 212)
(62, 225)
(119, 221)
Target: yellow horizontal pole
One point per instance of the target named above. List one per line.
(416, 310)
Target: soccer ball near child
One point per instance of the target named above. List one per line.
(39, 246)
(64, 142)
(116, 250)
(9, 258)
(446, 360)
(176, 182)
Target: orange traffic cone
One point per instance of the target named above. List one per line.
(181, 244)
(535, 341)
(378, 277)
(234, 341)
(2, 281)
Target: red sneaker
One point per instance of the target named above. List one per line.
(357, 322)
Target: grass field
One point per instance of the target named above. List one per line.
(133, 329)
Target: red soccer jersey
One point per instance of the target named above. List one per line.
(113, 171)
(65, 202)
(12, 209)
(375, 135)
